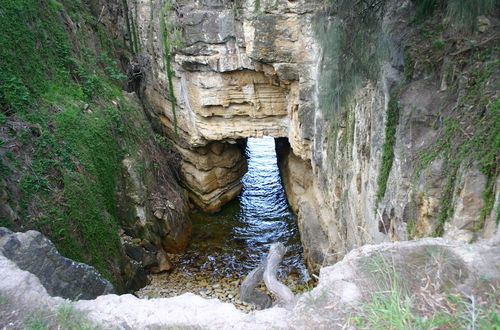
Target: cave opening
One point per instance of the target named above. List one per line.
(240, 234)
(225, 246)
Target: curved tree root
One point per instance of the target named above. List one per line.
(266, 271)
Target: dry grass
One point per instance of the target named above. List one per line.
(426, 289)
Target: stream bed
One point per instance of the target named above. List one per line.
(227, 245)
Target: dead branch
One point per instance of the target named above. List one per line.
(266, 271)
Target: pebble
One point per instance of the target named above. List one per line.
(206, 284)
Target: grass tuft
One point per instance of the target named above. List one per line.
(393, 305)
(393, 110)
(462, 13)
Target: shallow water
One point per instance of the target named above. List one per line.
(233, 241)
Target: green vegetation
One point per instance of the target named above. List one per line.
(462, 13)
(390, 306)
(446, 202)
(472, 137)
(353, 47)
(392, 120)
(62, 95)
(304, 287)
(438, 44)
(256, 6)
(133, 35)
(171, 38)
(393, 305)
(65, 317)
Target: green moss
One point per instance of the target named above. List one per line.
(129, 26)
(167, 58)
(56, 5)
(70, 177)
(446, 202)
(409, 68)
(135, 37)
(438, 44)
(256, 6)
(392, 120)
(489, 166)
(28, 28)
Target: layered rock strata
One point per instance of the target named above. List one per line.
(253, 68)
(238, 74)
(212, 174)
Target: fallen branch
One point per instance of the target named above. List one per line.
(482, 43)
(284, 295)
(248, 291)
(266, 271)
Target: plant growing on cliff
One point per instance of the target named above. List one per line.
(166, 35)
(462, 13)
(392, 120)
(133, 35)
(256, 6)
(351, 37)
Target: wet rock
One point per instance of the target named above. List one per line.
(135, 252)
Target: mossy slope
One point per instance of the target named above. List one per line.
(65, 127)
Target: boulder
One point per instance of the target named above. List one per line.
(33, 252)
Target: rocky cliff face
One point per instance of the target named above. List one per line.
(354, 93)
(61, 277)
(237, 73)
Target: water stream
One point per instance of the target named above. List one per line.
(240, 235)
(229, 244)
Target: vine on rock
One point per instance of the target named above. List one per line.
(170, 36)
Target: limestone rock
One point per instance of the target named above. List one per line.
(249, 71)
(212, 174)
(468, 205)
(233, 78)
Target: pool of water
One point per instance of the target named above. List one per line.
(233, 241)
